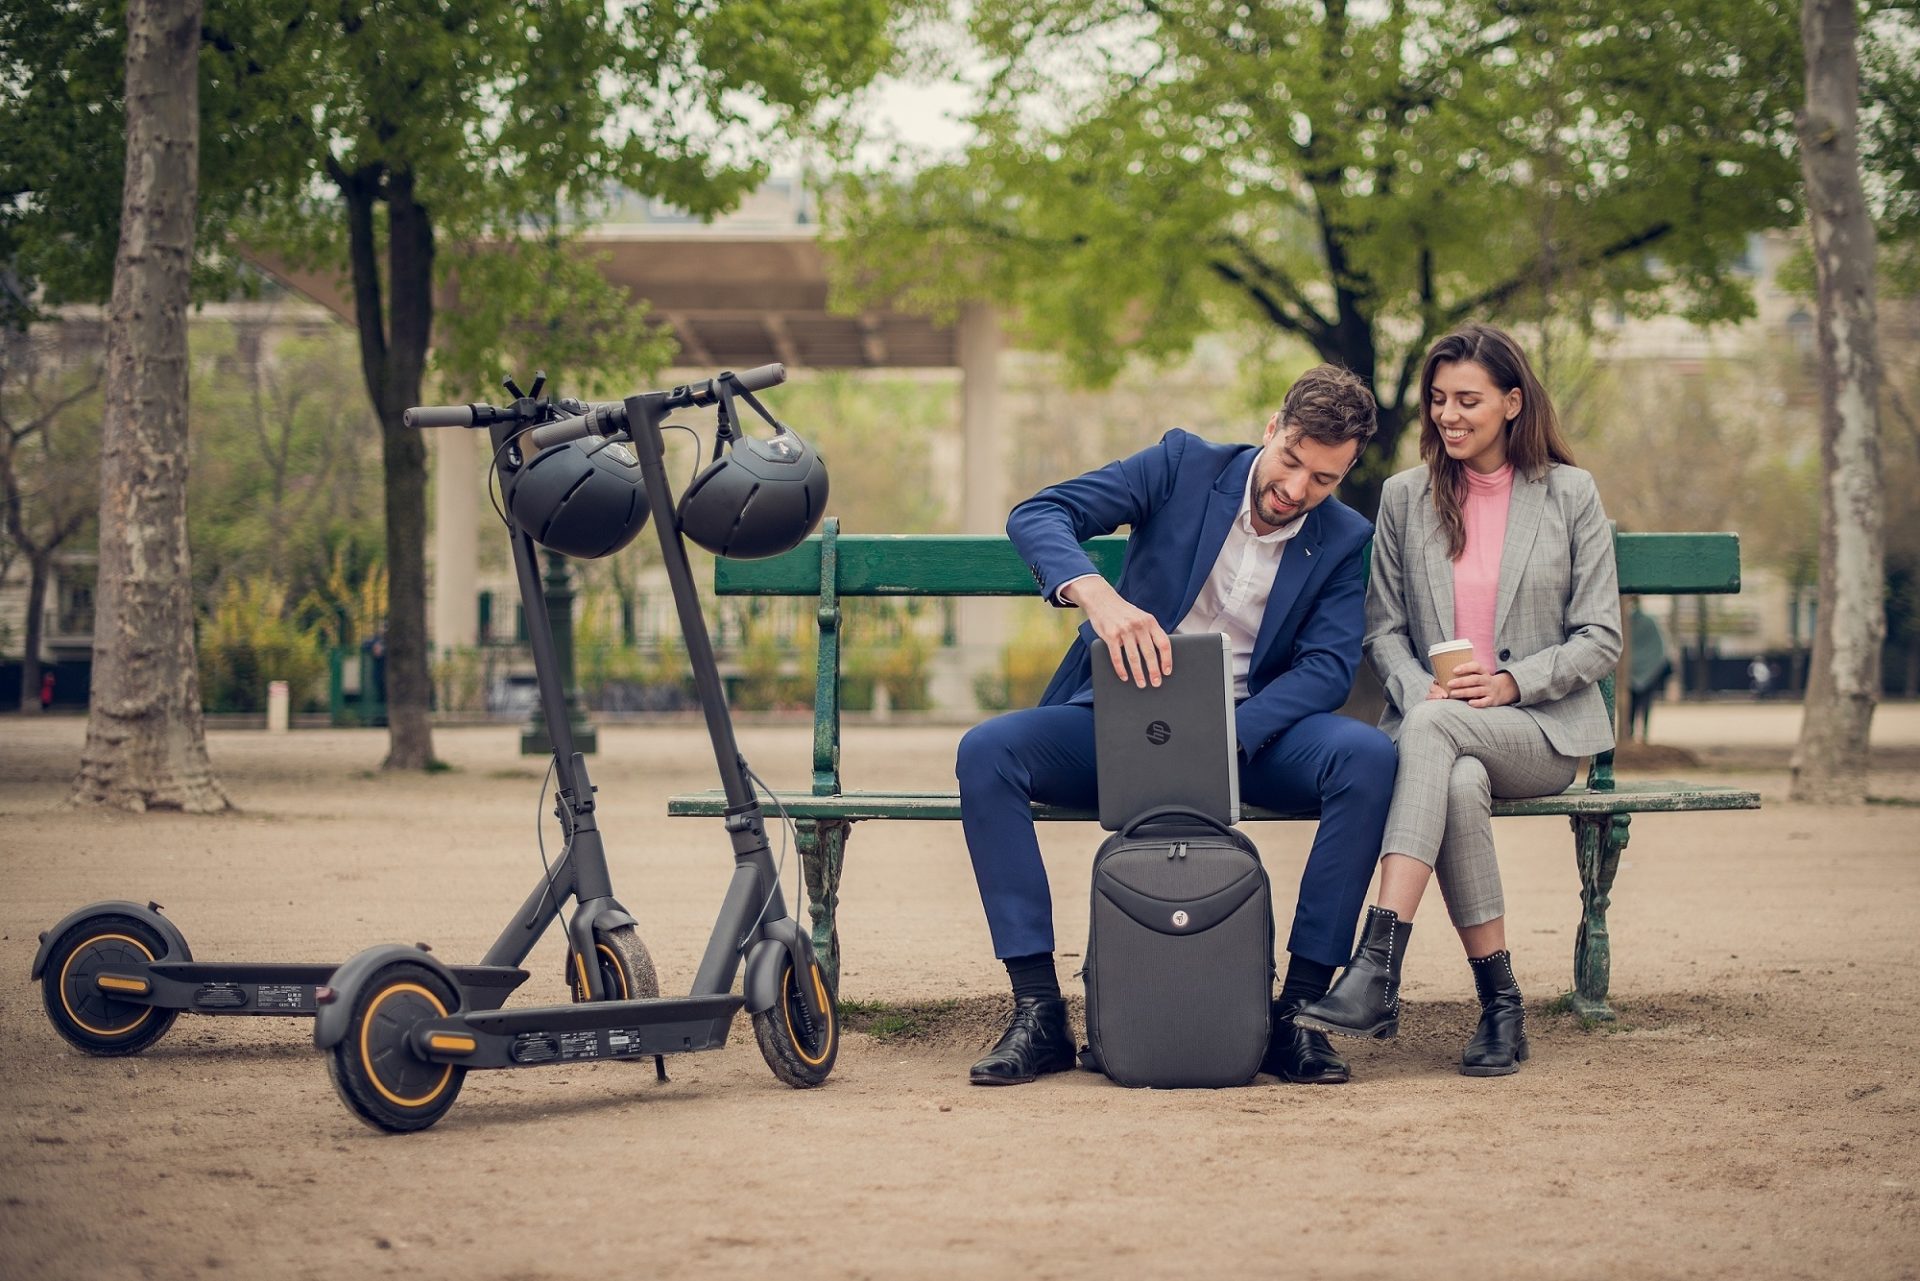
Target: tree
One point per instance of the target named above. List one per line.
(1830, 760)
(1361, 178)
(438, 125)
(401, 143)
(146, 745)
(49, 472)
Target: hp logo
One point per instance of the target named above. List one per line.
(1159, 732)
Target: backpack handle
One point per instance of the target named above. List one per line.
(1167, 813)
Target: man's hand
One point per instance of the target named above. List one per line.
(1478, 687)
(1134, 637)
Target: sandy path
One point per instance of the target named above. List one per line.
(1755, 1113)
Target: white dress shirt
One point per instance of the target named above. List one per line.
(1234, 597)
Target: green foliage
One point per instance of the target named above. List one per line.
(886, 647)
(777, 665)
(284, 457)
(249, 640)
(1028, 661)
(1358, 178)
(460, 679)
(348, 605)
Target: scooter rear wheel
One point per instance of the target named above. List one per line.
(800, 1051)
(626, 967)
(88, 1018)
(374, 1068)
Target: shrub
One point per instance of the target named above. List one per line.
(250, 641)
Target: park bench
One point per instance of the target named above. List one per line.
(831, 566)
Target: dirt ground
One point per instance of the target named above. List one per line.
(1754, 1113)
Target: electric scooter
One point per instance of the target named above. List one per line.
(399, 1028)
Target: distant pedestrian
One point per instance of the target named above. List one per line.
(46, 691)
(1650, 671)
(1760, 676)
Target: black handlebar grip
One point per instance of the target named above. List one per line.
(439, 416)
(560, 431)
(760, 378)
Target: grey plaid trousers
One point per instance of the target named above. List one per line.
(1454, 760)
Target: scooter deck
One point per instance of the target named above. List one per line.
(577, 1033)
(277, 989)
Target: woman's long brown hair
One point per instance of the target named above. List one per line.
(1533, 437)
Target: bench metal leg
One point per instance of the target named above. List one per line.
(823, 848)
(1598, 840)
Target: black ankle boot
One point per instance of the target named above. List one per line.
(1365, 1000)
(1037, 1041)
(1499, 1046)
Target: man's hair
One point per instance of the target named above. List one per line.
(1330, 405)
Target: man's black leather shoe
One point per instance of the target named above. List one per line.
(1298, 1055)
(1037, 1041)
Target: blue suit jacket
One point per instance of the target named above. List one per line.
(1180, 497)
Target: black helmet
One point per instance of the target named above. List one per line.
(758, 498)
(583, 499)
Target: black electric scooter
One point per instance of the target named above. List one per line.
(401, 1030)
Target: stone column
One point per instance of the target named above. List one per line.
(982, 625)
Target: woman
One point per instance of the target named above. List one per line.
(1499, 540)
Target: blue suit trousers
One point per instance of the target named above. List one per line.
(1332, 763)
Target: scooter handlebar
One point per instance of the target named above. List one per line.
(762, 377)
(439, 416)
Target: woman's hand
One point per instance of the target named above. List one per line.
(1436, 690)
(1134, 637)
(1477, 687)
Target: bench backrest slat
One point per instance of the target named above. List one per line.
(832, 565)
(984, 565)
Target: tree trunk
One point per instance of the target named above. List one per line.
(404, 457)
(393, 352)
(146, 742)
(1843, 683)
(38, 565)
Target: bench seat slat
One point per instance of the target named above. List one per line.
(1637, 797)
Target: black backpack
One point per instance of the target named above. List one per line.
(1179, 967)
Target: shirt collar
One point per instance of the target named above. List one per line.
(1244, 521)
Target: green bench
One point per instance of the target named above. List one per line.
(831, 566)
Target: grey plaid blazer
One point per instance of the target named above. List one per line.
(1557, 617)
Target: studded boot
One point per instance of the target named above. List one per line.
(1365, 999)
(1499, 1047)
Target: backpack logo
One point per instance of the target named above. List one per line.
(1159, 732)
(1180, 920)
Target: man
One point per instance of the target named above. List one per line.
(1225, 538)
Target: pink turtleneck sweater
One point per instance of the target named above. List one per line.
(1476, 575)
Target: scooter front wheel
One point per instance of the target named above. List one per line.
(798, 1047)
(374, 1068)
(87, 1017)
(626, 967)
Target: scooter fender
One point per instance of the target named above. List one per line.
(330, 1024)
(149, 915)
(784, 944)
(591, 920)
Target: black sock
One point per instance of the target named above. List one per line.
(1033, 976)
(1306, 980)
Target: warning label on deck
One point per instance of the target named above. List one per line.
(285, 996)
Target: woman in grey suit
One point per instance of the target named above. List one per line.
(1501, 541)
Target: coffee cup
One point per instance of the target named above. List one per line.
(1446, 656)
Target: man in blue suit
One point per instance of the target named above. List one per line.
(1241, 539)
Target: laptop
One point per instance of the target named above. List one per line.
(1173, 744)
